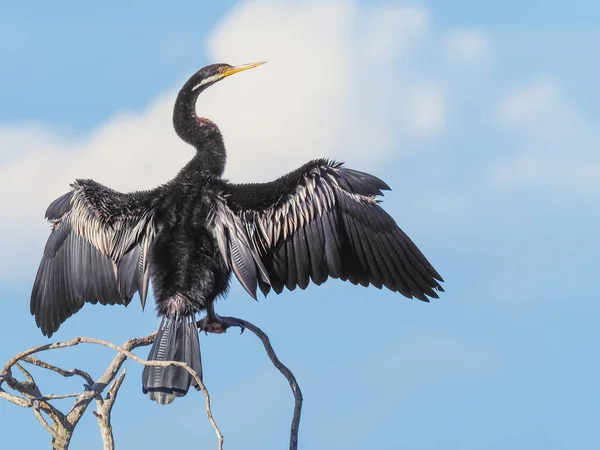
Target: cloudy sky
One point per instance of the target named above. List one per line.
(484, 120)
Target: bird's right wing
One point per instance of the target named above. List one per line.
(320, 221)
(97, 252)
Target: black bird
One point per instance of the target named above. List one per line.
(322, 220)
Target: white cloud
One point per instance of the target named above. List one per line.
(426, 110)
(528, 106)
(126, 153)
(335, 86)
(408, 25)
(555, 145)
(467, 47)
(324, 91)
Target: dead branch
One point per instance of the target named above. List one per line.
(40, 418)
(64, 424)
(61, 426)
(287, 373)
(65, 373)
(104, 410)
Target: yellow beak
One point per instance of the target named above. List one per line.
(235, 69)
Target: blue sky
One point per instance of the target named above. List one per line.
(484, 121)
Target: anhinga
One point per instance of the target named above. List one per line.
(187, 236)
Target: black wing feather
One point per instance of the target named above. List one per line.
(320, 221)
(96, 252)
(316, 246)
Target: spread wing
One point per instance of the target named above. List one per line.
(97, 252)
(320, 221)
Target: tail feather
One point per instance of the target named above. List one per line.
(177, 340)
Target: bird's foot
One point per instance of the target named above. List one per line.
(218, 324)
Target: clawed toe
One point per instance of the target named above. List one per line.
(219, 324)
(232, 322)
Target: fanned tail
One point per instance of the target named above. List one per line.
(177, 340)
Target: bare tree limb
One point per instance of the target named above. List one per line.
(287, 373)
(63, 425)
(30, 393)
(56, 397)
(127, 354)
(42, 421)
(26, 373)
(65, 373)
(104, 411)
(19, 401)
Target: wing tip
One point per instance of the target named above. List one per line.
(59, 207)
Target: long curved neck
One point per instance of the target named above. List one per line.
(201, 133)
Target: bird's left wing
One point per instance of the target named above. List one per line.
(320, 221)
(97, 252)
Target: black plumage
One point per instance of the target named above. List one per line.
(322, 220)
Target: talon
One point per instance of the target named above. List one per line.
(212, 323)
(232, 322)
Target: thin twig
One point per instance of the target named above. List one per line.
(42, 421)
(287, 373)
(28, 387)
(104, 413)
(26, 373)
(64, 425)
(31, 392)
(65, 373)
(183, 365)
(113, 391)
(19, 401)
(55, 397)
(96, 388)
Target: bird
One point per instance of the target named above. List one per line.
(189, 235)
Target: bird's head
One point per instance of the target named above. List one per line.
(201, 132)
(209, 75)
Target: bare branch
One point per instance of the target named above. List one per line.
(28, 388)
(64, 425)
(95, 388)
(30, 393)
(287, 373)
(55, 397)
(26, 373)
(19, 401)
(125, 353)
(41, 420)
(65, 373)
(103, 414)
(113, 391)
